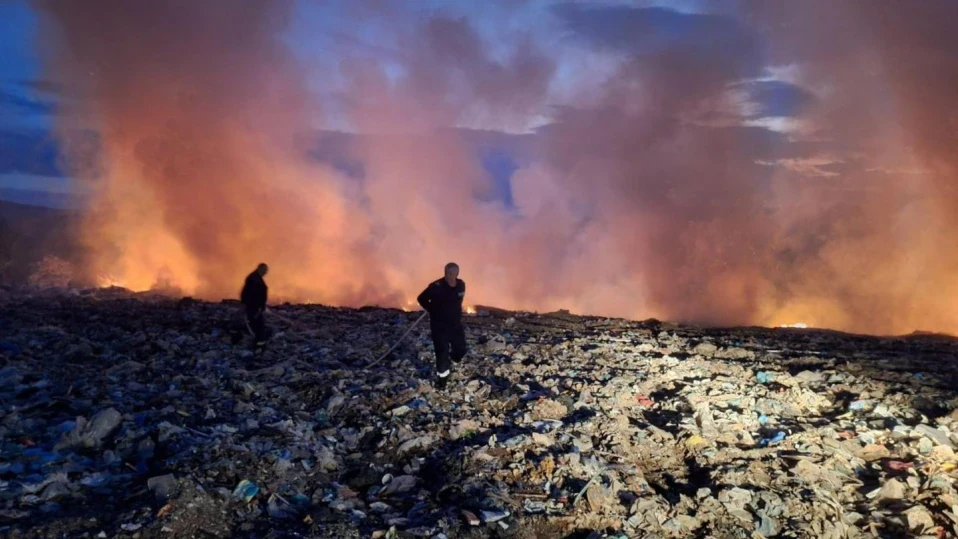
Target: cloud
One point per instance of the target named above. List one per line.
(809, 166)
(15, 104)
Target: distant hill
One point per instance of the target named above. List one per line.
(29, 233)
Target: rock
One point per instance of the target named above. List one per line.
(400, 411)
(705, 349)
(496, 345)
(809, 377)
(548, 409)
(891, 490)
(421, 442)
(935, 435)
(400, 485)
(464, 428)
(543, 440)
(335, 404)
(873, 452)
(161, 486)
(598, 496)
(705, 422)
(681, 524)
(920, 519)
(769, 527)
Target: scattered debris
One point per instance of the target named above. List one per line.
(139, 414)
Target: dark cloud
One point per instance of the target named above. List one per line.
(732, 45)
(15, 104)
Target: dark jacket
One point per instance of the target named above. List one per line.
(254, 292)
(443, 303)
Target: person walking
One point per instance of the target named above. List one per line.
(442, 299)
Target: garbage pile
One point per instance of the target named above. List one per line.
(132, 415)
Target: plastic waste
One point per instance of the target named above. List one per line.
(162, 486)
(563, 400)
(245, 490)
(90, 434)
(492, 516)
(861, 405)
(779, 437)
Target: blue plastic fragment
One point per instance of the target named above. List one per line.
(246, 490)
(765, 442)
(859, 405)
(95, 480)
(417, 403)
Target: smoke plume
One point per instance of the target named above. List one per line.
(755, 164)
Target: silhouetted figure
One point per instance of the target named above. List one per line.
(442, 299)
(253, 298)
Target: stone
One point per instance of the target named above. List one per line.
(937, 436)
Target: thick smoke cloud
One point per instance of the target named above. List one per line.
(879, 249)
(198, 105)
(684, 182)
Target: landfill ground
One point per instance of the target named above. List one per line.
(132, 415)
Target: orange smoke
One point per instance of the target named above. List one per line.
(197, 112)
(642, 200)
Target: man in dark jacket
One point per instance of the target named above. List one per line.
(442, 299)
(253, 298)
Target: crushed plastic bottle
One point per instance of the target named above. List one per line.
(245, 490)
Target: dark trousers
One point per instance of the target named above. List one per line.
(442, 339)
(254, 317)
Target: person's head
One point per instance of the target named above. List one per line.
(452, 273)
(262, 269)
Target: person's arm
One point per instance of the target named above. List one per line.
(425, 299)
(245, 293)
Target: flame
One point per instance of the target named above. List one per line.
(470, 309)
(109, 282)
(798, 325)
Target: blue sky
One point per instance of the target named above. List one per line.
(19, 66)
